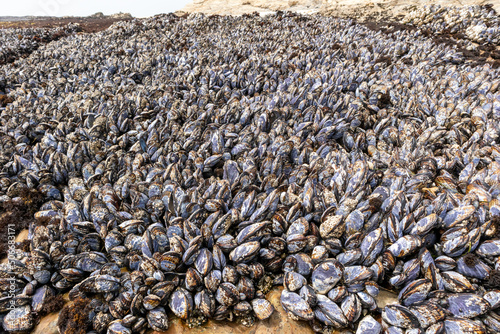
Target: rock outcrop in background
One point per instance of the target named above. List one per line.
(359, 9)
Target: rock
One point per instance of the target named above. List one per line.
(97, 15)
(386, 297)
(47, 325)
(121, 16)
(23, 235)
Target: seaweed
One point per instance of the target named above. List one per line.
(384, 101)
(493, 280)
(52, 304)
(375, 204)
(18, 215)
(74, 317)
(24, 245)
(470, 260)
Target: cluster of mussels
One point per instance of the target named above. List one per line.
(480, 24)
(189, 164)
(17, 42)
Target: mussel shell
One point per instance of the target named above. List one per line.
(332, 311)
(467, 305)
(415, 291)
(19, 319)
(157, 319)
(428, 313)
(297, 306)
(294, 281)
(180, 302)
(458, 325)
(245, 252)
(227, 294)
(262, 308)
(369, 325)
(400, 316)
(326, 275)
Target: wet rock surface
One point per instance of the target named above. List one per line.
(47, 325)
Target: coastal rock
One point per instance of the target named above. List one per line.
(359, 9)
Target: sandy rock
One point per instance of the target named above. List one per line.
(238, 7)
(386, 297)
(47, 325)
(121, 16)
(23, 235)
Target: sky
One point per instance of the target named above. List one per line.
(138, 8)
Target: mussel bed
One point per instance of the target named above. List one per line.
(186, 165)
